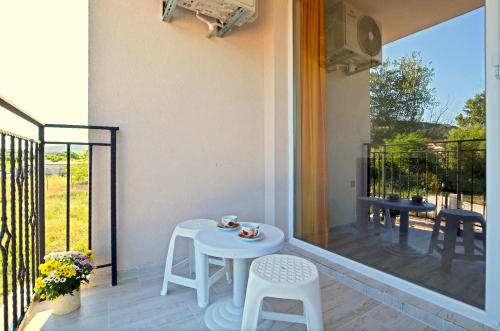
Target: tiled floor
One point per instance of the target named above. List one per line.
(135, 304)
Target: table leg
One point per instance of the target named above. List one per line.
(376, 215)
(201, 278)
(226, 314)
(404, 224)
(240, 279)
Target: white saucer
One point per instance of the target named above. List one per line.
(260, 236)
(224, 228)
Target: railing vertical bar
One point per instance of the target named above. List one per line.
(426, 180)
(114, 275)
(32, 216)
(37, 209)
(392, 173)
(27, 285)
(68, 194)
(4, 230)
(13, 229)
(437, 178)
(41, 193)
(378, 173)
(384, 175)
(472, 181)
(426, 175)
(408, 177)
(418, 173)
(21, 270)
(91, 152)
(368, 169)
(459, 175)
(399, 179)
(447, 176)
(372, 172)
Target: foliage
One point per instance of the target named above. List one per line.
(406, 141)
(474, 112)
(400, 94)
(61, 156)
(472, 122)
(62, 273)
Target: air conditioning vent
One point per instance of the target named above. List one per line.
(227, 13)
(354, 40)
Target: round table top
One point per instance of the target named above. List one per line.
(226, 244)
(402, 204)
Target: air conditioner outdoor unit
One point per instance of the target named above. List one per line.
(228, 13)
(354, 40)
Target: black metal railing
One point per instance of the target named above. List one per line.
(23, 203)
(450, 173)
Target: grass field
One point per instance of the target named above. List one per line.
(55, 215)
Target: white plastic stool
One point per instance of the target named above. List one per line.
(286, 277)
(189, 229)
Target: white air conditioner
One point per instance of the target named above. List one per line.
(354, 40)
(228, 13)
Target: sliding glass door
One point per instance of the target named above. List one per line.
(390, 138)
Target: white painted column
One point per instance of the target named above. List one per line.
(493, 160)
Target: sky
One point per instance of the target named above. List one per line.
(456, 50)
(44, 63)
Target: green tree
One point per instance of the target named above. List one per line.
(472, 125)
(472, 121)
(474, 112)
(400, 95)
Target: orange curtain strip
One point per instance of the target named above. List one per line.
(314, 192)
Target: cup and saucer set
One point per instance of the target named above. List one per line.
(247, 231)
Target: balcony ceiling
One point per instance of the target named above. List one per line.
(401, 18)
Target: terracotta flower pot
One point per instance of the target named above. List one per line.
(67, 303)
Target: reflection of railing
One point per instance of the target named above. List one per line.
(22, 231)
(448, 173)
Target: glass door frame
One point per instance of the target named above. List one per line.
(491, 314)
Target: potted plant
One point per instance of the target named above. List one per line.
(60, 278)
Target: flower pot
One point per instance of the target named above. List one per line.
(66, 303)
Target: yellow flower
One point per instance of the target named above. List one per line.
(42, 296)
(39, 282)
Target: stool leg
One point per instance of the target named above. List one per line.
(253, 305)
(313, 309)
(388, 218)
(227, 265)
(483, 225)
(435, 233)
(191, 257)
(376, 215)
(450, 242)
(201, 278)
(468, 237)
(168, 263)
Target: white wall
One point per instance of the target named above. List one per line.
(348, 111)
(194, 120)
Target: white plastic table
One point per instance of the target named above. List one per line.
(404, 207)
(226, 313)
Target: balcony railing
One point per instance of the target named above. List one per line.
(23, 203)
(449, 173)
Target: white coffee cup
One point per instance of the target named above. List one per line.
(229, 220)
(249, 229)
